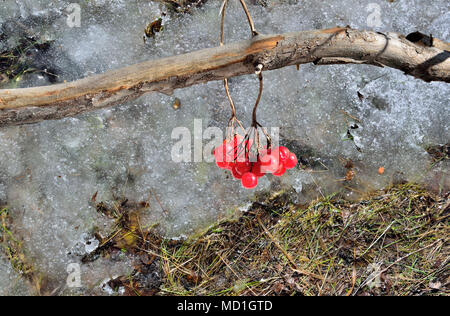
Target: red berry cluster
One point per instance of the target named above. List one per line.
(248, 168)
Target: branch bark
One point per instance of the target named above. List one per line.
(429, 62)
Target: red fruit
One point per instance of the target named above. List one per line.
(281, 171)
(256, 169)
(284, 153)
(236, 173)
(249, 180)
(270, 163)
(239, 168)
(244, 166)
(291, 162)
(222, 164)
(224, 155)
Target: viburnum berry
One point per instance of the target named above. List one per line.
(291, 161)
(280, 172)
(270, 162)
(249, 180)
(235, 173)
(284, 153)
(256, 169)
(248, 167)
(224, 155)
(243, 166)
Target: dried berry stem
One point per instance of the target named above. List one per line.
(234, 122)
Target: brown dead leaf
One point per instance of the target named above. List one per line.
(349, 164)
(279, 267)
(94, 197)
(176, 104)
(278, 288)
(350, 175)
(194, 278)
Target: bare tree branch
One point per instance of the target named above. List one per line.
(424, 59)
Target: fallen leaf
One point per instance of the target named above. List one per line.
(350, 175)
(435, 285)
(94, 197)
(153, 28)
(349, 164)
(278, 288)
(176, 104)
(193, 277)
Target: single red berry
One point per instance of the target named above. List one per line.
(236, 174)
(284, 154)
(270, 163)
(224, 153)
(281, 171)
(249, 180)
(292, 161)
(243, 166)
(256, 169)
(222, 164)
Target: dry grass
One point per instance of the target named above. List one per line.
(14, 251)
(26, 58)
(393, 243)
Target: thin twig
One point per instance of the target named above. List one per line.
(249, 18)
(373, 244)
